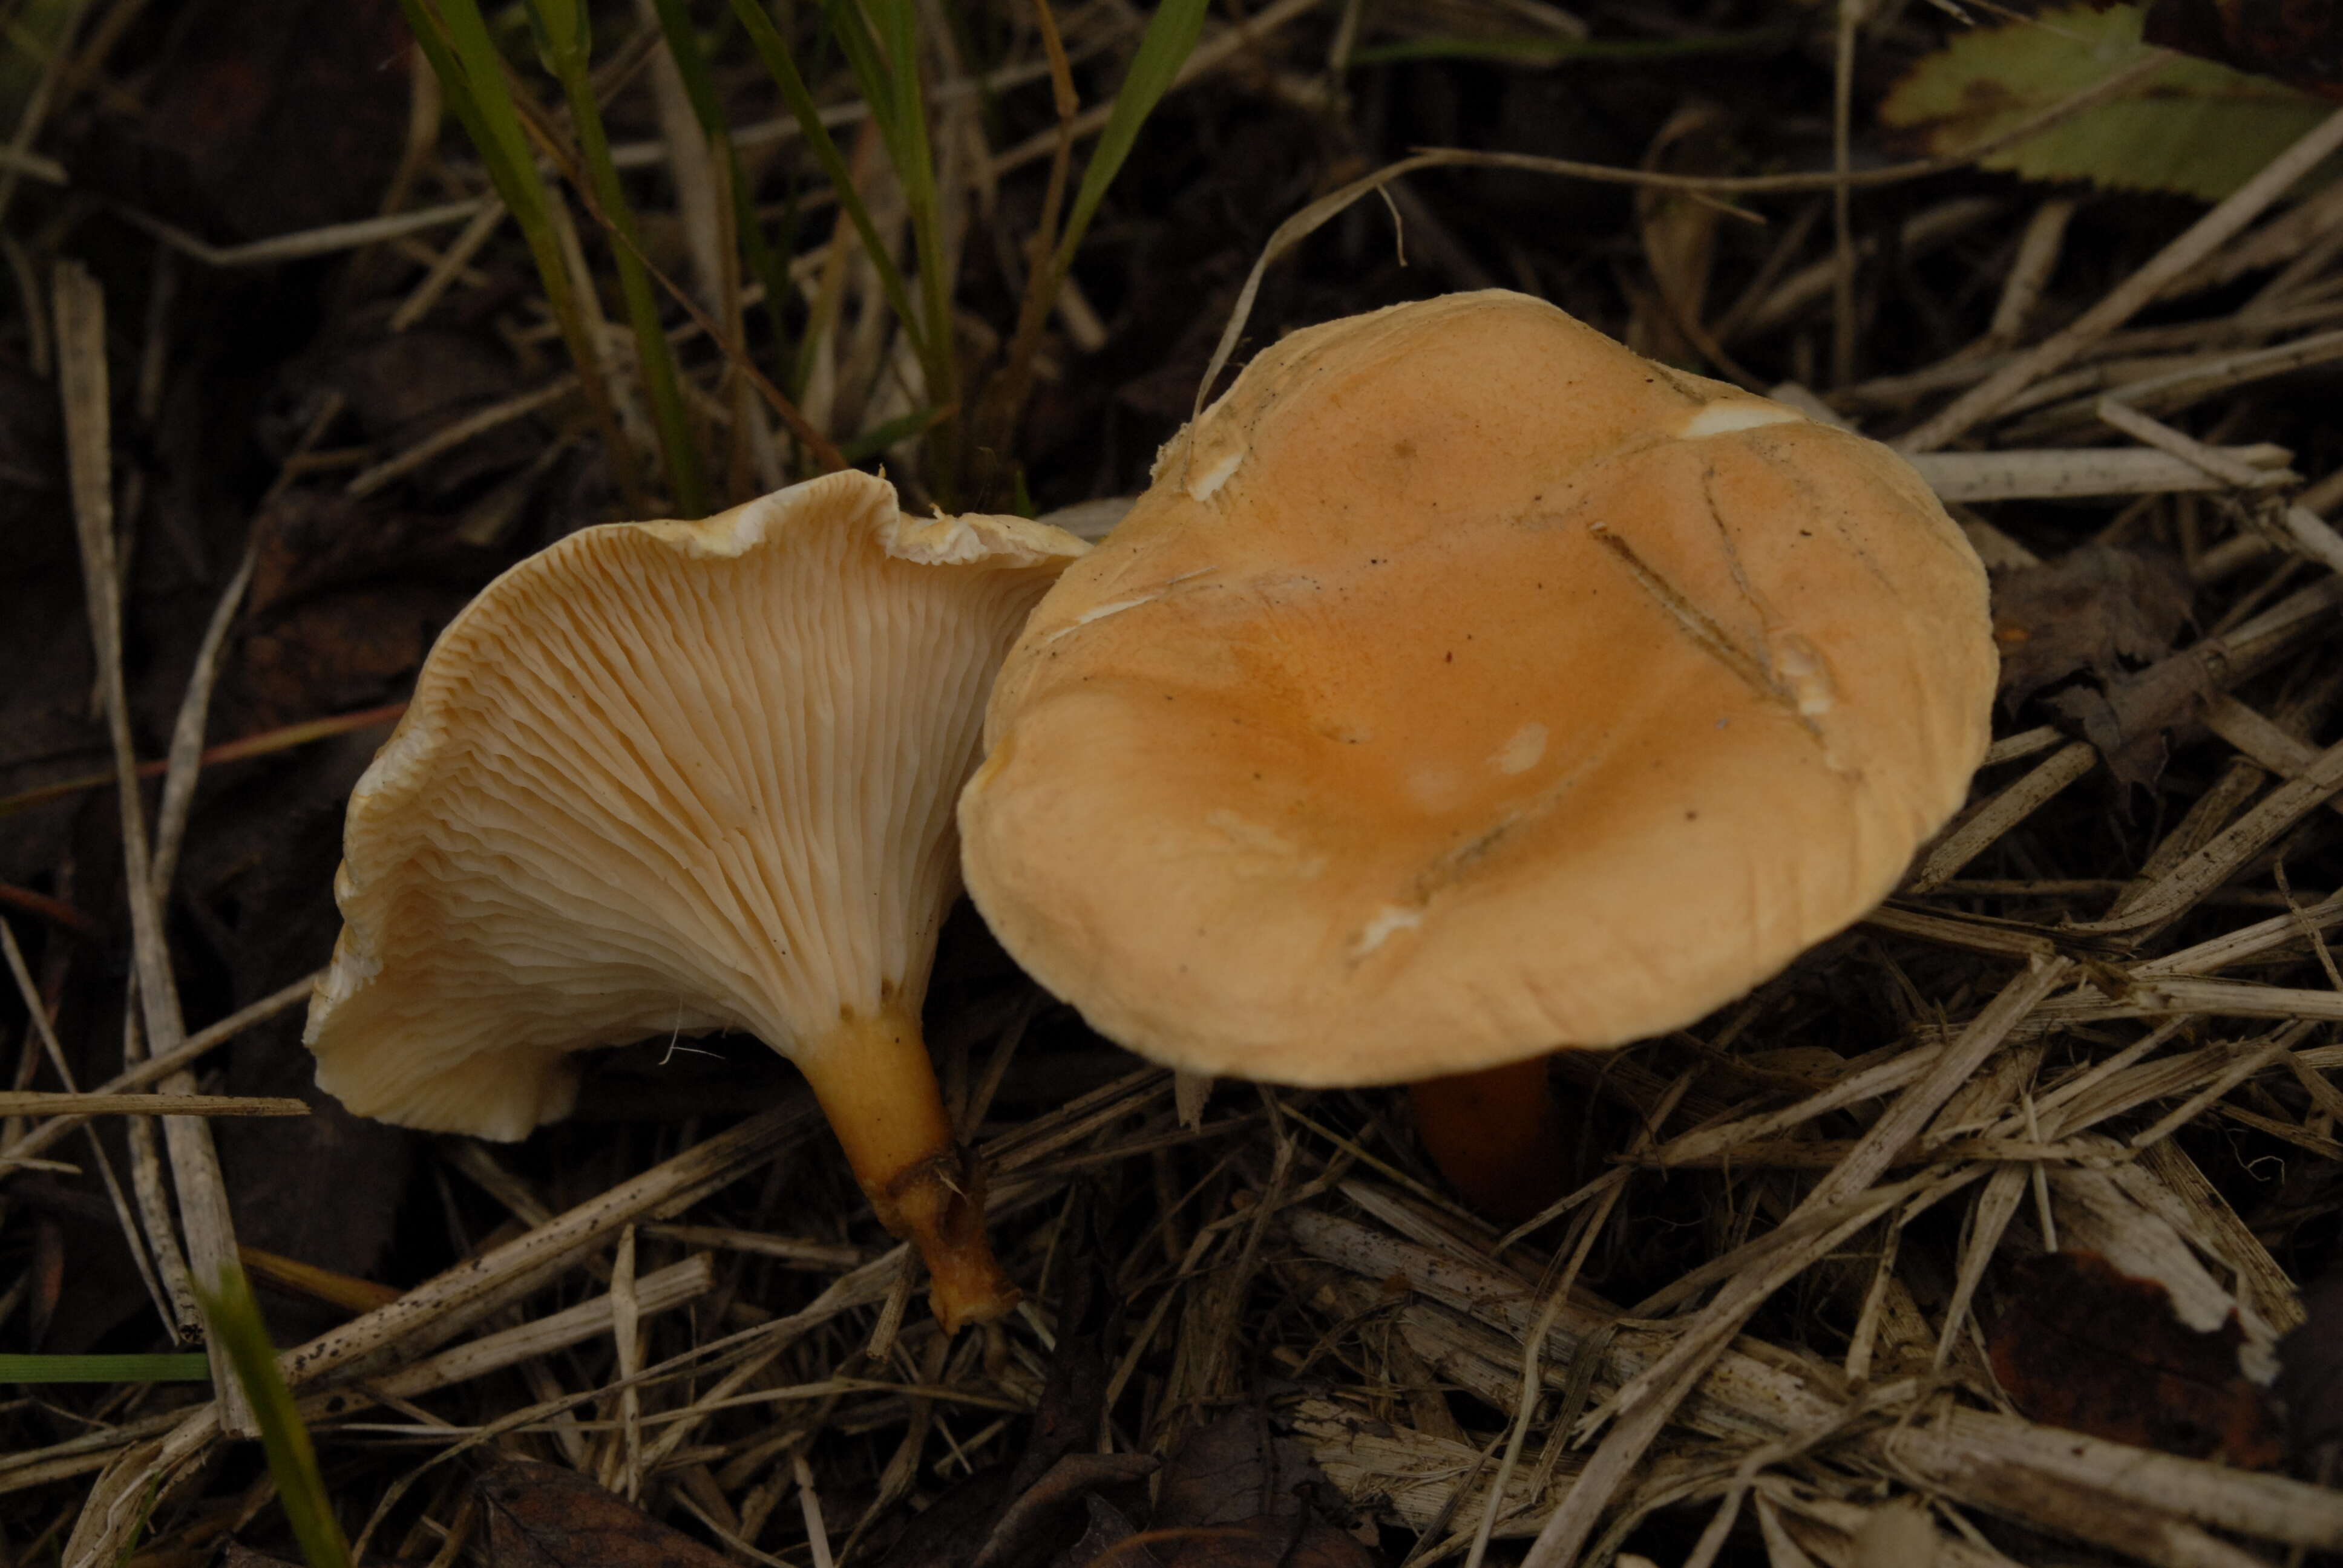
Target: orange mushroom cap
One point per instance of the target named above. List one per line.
(1467, 686)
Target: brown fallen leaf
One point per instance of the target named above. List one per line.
(1239, 1494)
(274, 116)
(1108, 1527)
(346, 596)
(2104, 619)
(2081, 1346)
(2128, 715)
(544, 1516)
(1026, 1521)
(2309, 1382)
(1238, 1467)
(2097, 611)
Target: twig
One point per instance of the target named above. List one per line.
(1645, 1403)
(155, 1068)
(327, 240)
(1306, 222)
(82, 383)
(37, 1102)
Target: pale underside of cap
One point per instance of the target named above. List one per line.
(664, 778)
(1465, 688)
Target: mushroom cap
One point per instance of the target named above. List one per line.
(1465, 687)
(669, 778)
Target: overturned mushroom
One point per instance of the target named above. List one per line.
(1467, 687)
(683, 777)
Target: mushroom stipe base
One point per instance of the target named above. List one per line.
(878, 1086)
(1496, 1135)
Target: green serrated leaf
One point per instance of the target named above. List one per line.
(567, 44)
(2194, 129)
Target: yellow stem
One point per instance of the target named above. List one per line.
(878, 1088)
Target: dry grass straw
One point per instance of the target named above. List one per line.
(2018, 1060)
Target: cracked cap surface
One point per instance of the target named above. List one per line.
(1467, 686)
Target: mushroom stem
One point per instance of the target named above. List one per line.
(1496, 1135)
(878, 1088)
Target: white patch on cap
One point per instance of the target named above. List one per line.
(1390, 917)
(1254, 837)
(1202, 487)
(1725, 416)
(1800, 666)
(1434, 786)
(1521, 753)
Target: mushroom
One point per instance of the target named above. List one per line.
(668, 777)
(1467, 687)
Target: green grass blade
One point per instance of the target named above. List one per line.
(774, 51)
(235, 1320)
(874, 77)
(495, 122)
(171, 1367)
(885, 66)
(765, 264)
(456, 41)
(902, 428)
(1170, 37)
(564, 36)
(36, 30)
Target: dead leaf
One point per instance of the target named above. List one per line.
(2309, 1381)
(2127, 718)
(1237, 1468)
(951, 1530)
(274, 116)
(2098, 610)
(2081, 1346)
(544, 1516)
(1025, 1523)
(1109, 1526)
(2104, 618)
(347, 597)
